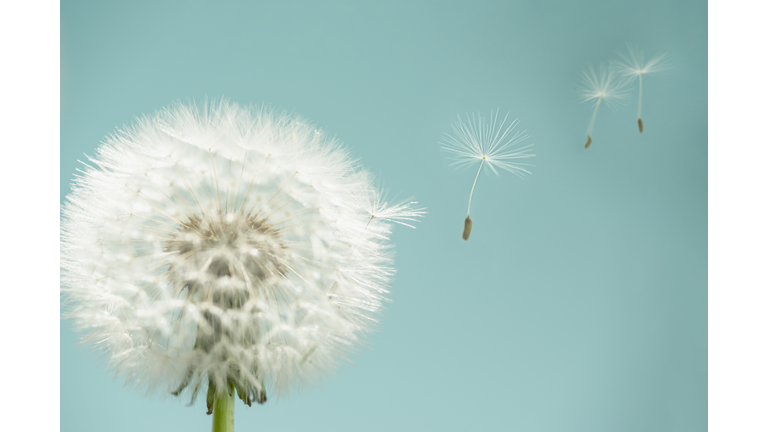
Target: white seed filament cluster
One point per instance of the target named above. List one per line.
(225, 246)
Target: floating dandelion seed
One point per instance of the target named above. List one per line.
(604, 85)
(634, 66)
(489, 144)
(233, 247)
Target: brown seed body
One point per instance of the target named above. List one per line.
(640, 124)
(589, 141)
(467, 228)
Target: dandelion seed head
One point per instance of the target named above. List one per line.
(225, 245)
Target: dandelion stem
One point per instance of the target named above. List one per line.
(224, 411)
(473, 186)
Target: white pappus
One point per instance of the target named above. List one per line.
(226, 246)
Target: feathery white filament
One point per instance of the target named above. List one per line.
(477, 140)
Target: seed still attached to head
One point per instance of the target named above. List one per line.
(601, 85)
(492, 143)
(633, 65)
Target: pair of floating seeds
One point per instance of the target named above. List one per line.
(608, 83)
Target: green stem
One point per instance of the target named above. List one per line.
(224, 411)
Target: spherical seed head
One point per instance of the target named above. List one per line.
(224, 245)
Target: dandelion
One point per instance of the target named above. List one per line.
(491, 144)
(227, 247)
(634, 66)
(601, 84)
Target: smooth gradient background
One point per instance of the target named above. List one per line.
(579, 303)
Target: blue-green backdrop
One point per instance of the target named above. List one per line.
(580, 302)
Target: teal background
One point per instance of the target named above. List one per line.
(579, 303)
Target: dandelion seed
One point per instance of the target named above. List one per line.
(229, 247)
(634, 66)
(379, 205)
(492, 144)
(601, 85)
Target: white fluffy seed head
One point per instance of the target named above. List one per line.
(603, 83)
(224, 245)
